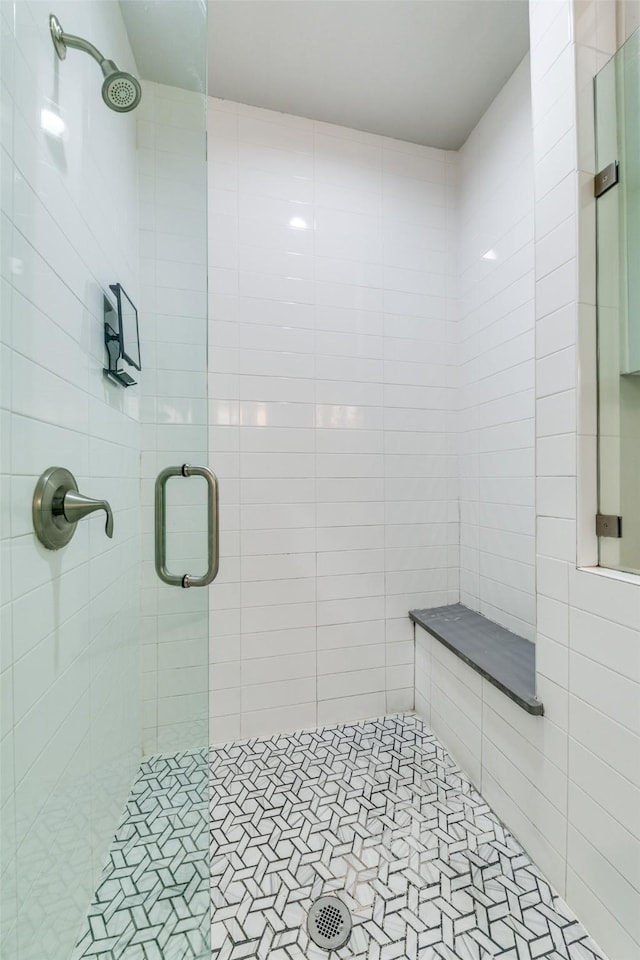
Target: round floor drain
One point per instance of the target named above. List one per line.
(329, 923)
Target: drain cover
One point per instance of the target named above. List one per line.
(329, 923)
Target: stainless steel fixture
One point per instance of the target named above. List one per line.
(120, 90)
(329, 922)
(213, 540)
(58, 506)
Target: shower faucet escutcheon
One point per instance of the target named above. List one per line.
(120, 90)
(58, 506)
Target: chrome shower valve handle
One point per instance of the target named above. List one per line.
(76, 506)
(58, 506)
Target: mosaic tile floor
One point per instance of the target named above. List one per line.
(153, 899)
(378, 813)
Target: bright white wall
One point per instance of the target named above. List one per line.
(496, 416)
(173, 243)
(332, 381)
(70, 619)
(496, 355)
(588, 622)
(568, 784)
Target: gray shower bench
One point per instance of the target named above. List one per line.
(500, 656)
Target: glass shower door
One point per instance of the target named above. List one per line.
(103, 668)
(163, 837)
(617, 95)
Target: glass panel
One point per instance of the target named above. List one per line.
(617, 92)
(103, 669)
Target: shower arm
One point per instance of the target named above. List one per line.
(62, 40)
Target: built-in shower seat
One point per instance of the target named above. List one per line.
(500, 656)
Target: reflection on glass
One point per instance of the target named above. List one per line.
(617, 95)
(52, 123)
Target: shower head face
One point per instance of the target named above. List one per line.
(121, 91)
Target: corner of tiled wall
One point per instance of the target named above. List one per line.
(575, 816)
(568, 783)
(496, 407)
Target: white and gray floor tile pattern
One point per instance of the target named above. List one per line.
(379, 814)
(375, 812)
(152, 902)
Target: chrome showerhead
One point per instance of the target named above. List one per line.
(120, 91)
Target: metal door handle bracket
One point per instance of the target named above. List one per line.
(213, 550)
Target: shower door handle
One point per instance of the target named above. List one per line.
(213, 547)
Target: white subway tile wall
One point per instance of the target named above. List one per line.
(568, 784)
(69, 672)
(332, 378)
(350, 296)
(496, 355)
(173, 262)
